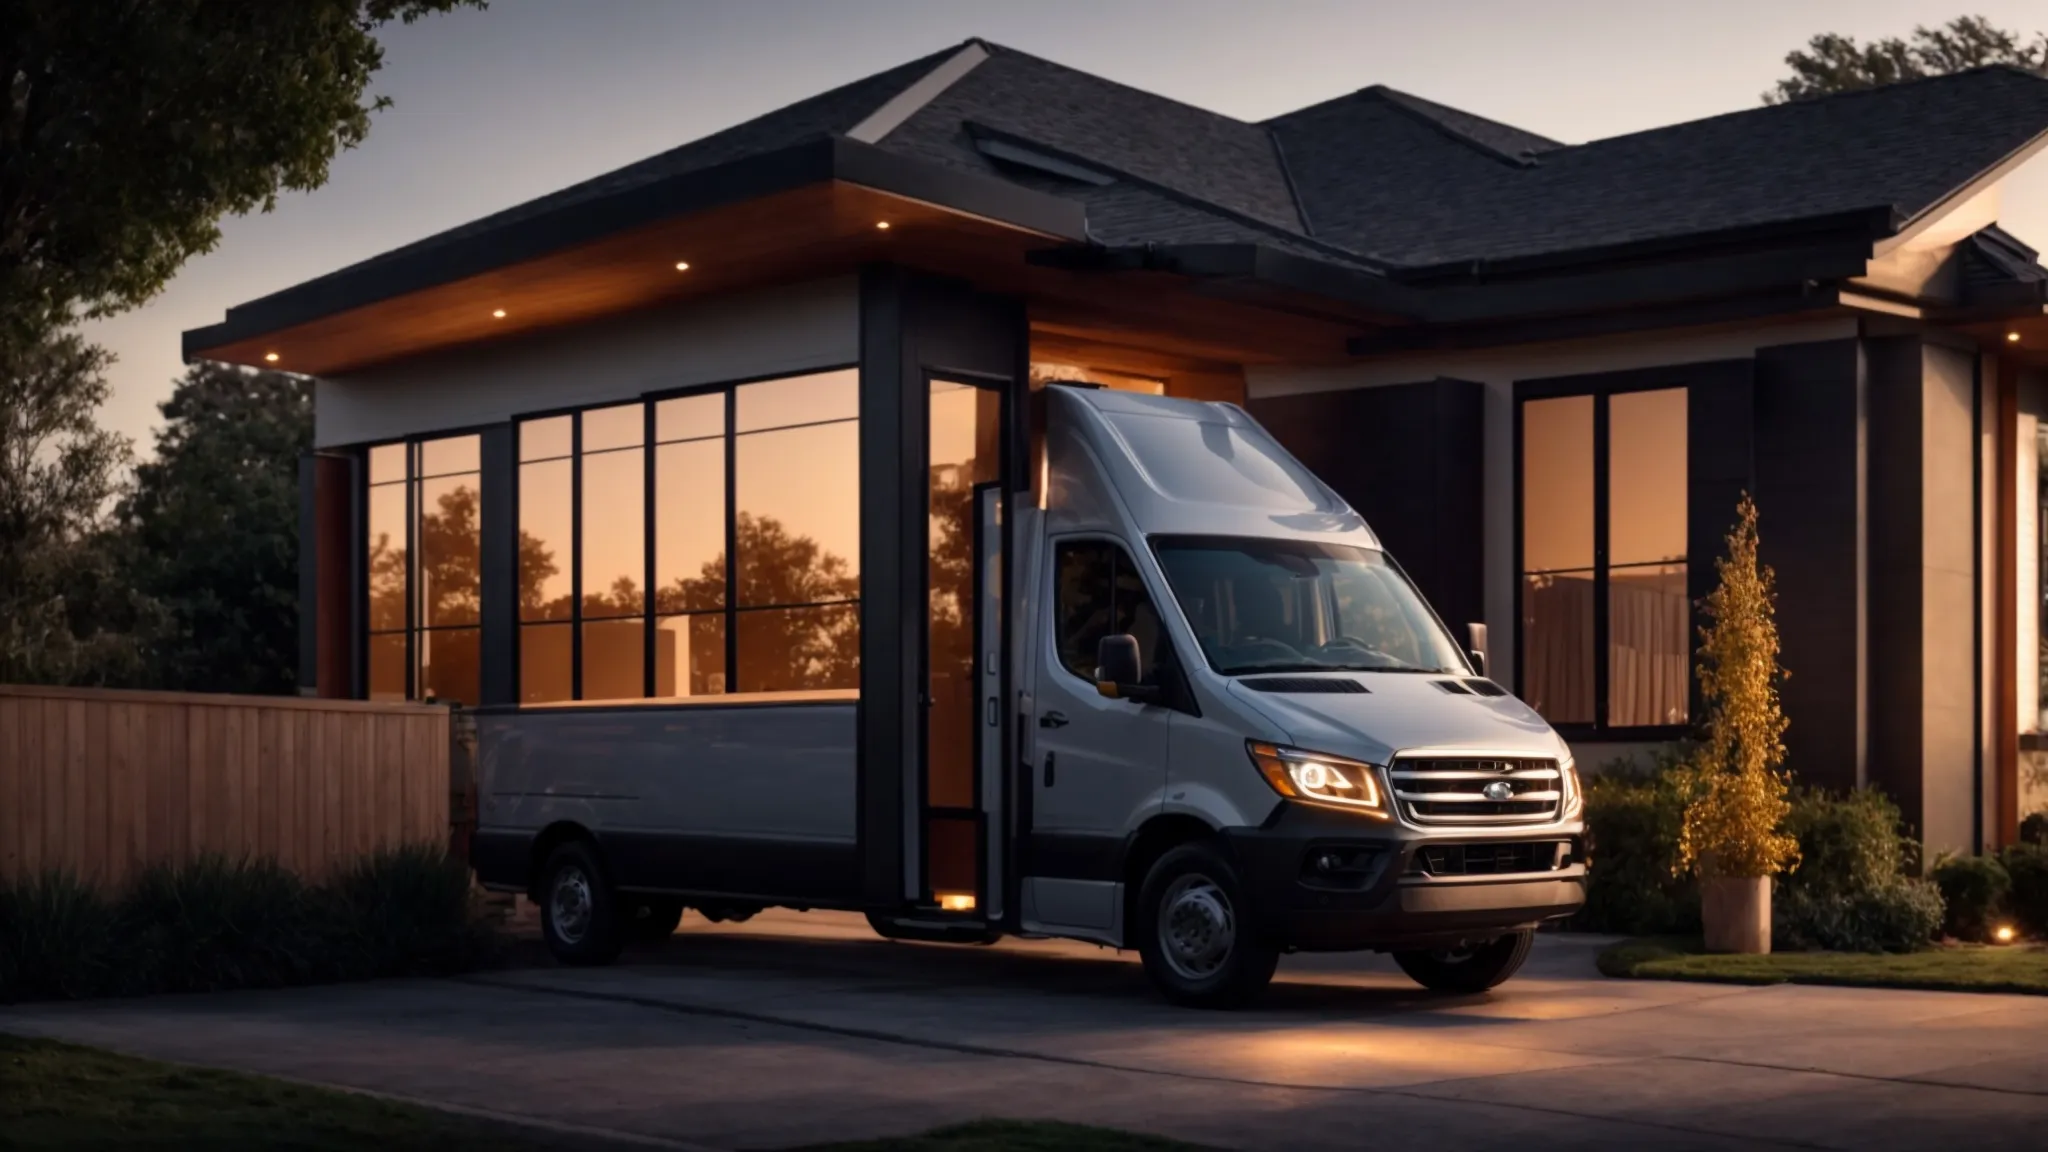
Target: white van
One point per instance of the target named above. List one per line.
(1196, 710)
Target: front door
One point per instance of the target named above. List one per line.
(1100, 763)
(957, 827)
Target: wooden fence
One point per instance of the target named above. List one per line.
(102, 783)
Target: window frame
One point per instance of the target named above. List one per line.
(649, 618)
(1602, 387)
(359, 686)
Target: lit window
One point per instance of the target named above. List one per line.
(423, 560)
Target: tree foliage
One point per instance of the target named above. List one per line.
(1737, 790)
(1834, 63)
(131, 128)
(59, 472)
(210, 529)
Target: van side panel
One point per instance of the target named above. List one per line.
(752, 801)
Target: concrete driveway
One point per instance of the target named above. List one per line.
(795, 1029)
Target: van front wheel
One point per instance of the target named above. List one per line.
(579, 915)
(1199, 946)
(1468, 970)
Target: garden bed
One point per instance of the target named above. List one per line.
(1948, 968)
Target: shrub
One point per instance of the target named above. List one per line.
(56, 934)
(1897, 915)
(1852, 843)
(1975, 889)
(1632, 824)
(2026, 865)
(216, 924)
(407, 912)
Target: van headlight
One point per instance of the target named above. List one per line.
(1568, 780)
(1303, 775)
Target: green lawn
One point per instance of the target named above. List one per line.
(61, 1096)
(1950, 968)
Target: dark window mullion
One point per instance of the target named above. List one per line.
(647, 632)
(732, 544)
(576, 556)
(412, 568)
(1601, 485)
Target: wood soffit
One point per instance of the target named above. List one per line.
(813, 231)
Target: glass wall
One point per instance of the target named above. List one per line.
(738, 507)
(423, 558)
(1603, 546)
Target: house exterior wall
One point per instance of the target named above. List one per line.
(791, 329)
(1863, 453)
(1498, 370)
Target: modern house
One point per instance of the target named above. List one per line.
(674, 433)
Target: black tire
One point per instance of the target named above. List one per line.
(1200, 948)
(1468, 970)
(579, 914)
(652, 919)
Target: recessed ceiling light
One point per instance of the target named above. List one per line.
(497, 314)
(682, 265)
(882, 224)
(270, 356)
(2012, 337)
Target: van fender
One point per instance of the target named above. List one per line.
(1209, 804)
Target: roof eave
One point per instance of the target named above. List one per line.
(812, 162)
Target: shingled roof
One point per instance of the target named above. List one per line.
(1376, 180)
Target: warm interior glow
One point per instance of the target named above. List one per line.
(956, 901)
(497, 313)
(882, 224)
(682, 265)
(271, 357)
(2004, 934)
(2012, 337)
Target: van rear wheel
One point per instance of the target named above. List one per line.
(1468, 970)
(579, 914)
(1199, 946)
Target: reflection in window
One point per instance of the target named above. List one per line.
(423, 557)
(1557, 558)
(1634, 563)
(1648, 679)
(752, 558)
(1097, 592)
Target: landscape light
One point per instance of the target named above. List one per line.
(2004, 934)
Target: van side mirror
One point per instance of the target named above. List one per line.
(1117, 671)
(1477, 633)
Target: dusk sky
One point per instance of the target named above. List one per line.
(496, 107)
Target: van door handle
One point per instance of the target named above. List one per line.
(1053, 720)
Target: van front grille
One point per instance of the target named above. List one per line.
(1474, 791)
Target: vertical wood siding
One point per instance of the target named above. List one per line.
(102, 783)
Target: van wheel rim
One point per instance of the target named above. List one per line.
(569, 905)
(1197, 928)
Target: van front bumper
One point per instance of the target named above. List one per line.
(1395, 887)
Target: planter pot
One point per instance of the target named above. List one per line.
(1737, 913)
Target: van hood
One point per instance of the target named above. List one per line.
(1401, 712)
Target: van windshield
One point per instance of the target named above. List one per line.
(1302, 606)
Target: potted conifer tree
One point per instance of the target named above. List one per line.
(1732, 837)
